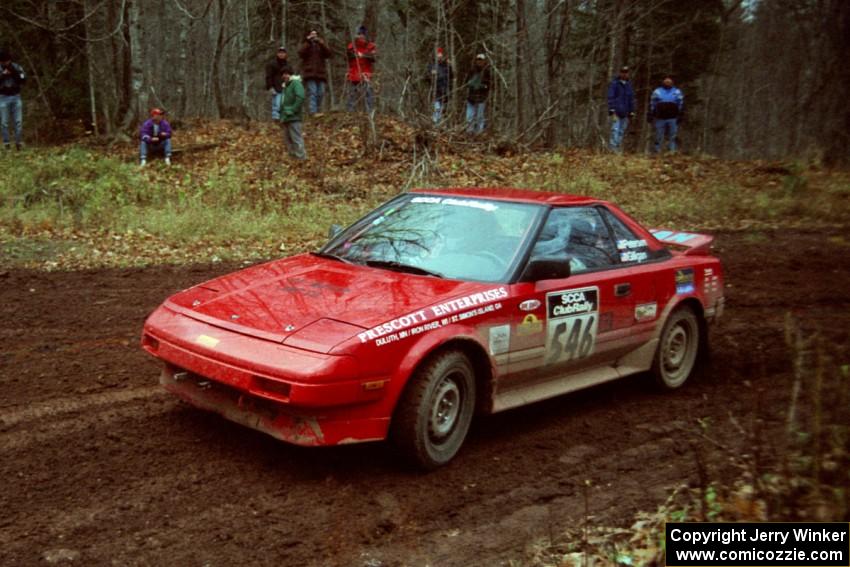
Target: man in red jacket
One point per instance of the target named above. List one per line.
(313, 53)
(361, 60)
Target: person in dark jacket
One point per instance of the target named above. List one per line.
(292, 113)
(440, 76)
(478, 82)
(621, 108)
(666, 108)
(273, 84)
(314, 73)
(12, 76)
(155, 133)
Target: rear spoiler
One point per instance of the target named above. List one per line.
(693, 244)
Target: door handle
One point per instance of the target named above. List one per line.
(622, 289)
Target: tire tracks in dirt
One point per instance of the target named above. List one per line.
(36, 423)
(97, 459)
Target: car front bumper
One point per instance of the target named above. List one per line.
(294, 395)
(284, 423)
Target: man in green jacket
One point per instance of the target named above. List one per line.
(291, 112)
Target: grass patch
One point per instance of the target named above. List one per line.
(239, 199)
(22, 250)
(57, 203)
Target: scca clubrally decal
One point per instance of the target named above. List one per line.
(573, 320)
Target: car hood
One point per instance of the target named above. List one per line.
(280, 298)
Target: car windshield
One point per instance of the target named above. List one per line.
(451, 237)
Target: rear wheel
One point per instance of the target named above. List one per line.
(677, 351)
(435, 410)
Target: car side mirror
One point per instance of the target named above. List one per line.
(546, 269)
(333, 231)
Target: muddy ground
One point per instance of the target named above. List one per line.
(100, 466)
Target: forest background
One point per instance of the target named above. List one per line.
(761, 78)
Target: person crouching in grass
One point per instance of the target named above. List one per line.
(156, 137)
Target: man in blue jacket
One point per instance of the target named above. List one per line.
(11, 78)
(621, 108)
(666, 107)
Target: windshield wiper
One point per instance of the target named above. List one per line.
(399, 267)
(330, 256)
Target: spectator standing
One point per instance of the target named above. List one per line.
(314, 73)
(156, 137)
(666, 108)
(291, 113)
(478, 82)
(273, 71)
(361, 55)
(621, 108)
(12, 76)
(440, 76)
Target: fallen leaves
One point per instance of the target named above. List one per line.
(241, 168)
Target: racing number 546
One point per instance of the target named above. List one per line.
(572, 339)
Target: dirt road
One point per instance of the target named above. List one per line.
(100, 466)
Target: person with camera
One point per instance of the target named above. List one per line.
(314, 73)
(12, 76)
(273, 70)
(155, 133)
(361, 55)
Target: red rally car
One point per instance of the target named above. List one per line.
(438, 305)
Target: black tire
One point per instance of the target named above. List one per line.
(678, 349)
(433, 415)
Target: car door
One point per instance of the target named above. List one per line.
(642, 261)
(567, 325)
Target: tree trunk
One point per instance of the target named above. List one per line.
(284, 6)
(521, 64)
(836, 111)
(244, 52)
(215, 75)
(558, 13)
(90, 66)
(328, 66)
(184, 24)
(138, 99)
(370, 18)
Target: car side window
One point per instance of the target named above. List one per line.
(630, 248)
(578, 234)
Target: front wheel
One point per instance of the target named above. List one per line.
(435, 410)
(677, 351)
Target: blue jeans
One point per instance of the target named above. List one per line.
(438, 111)
(276, 98)
(358, 91)
(11, 106)
(315, 94)
(618, 130)
(475, 121)
(163, 147)
(668, 127)
(293, 137)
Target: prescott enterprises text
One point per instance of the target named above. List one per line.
(440, 310)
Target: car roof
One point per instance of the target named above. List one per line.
(511, 194)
